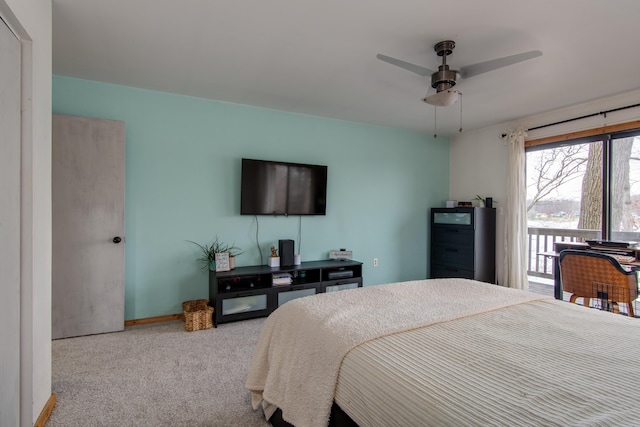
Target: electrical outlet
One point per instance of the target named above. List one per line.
(375, 262)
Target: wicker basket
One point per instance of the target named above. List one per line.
(197, 315)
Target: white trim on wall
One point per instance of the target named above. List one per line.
(30, 20)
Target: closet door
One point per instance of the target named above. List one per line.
(88, 167)
(9, 226)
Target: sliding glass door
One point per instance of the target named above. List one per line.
(582, 189)
(625, 188)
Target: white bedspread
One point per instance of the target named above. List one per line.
(302, 344)
(541, 363)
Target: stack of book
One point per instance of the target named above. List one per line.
(282, 279)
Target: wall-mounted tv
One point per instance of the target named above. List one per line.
(282, 188)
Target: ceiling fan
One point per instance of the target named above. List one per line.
(445, 79)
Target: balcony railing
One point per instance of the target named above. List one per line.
(542, 240)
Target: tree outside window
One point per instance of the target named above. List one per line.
(564, 186)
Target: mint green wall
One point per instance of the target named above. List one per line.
(183, 183)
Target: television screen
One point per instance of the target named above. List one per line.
(281, 188)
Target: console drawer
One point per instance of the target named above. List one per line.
(442, 271)
(286, 296)
(341, 285)
(244, 304)
(452, 236)
(454, 256)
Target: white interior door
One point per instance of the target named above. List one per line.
(88, 168)
(9, 226)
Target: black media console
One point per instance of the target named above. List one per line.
(256, 291)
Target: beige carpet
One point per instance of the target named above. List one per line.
(156, 375)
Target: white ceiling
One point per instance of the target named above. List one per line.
(319, 57)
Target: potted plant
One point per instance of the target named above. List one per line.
(209, 252)
(233, 253)
(208, 258)
(485, 203)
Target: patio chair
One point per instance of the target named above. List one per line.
(588, 274)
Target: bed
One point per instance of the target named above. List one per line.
(445, 352)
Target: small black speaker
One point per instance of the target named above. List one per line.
(286, 252)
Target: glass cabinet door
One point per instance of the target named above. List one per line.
(453, 218)
(244, 304)
(341, 287)
(290, 295)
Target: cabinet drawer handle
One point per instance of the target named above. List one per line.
(455, 230)
(247, 294)
(450, 249)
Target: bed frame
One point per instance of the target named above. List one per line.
(338, 418)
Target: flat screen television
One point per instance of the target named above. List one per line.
(282, 188)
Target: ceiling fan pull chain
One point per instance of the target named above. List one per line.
(460, 95)
(435, 122)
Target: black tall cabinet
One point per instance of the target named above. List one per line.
(463, 243)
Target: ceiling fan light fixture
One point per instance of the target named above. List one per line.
(443, 98)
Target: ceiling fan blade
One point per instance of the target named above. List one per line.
(483, 67)
(421, 71)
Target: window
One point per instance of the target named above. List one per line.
(625, 188)
(583, 189)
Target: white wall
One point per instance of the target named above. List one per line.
(479, 157)
(31, 19)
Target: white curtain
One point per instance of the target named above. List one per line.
(515, 234)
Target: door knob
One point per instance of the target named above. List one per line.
(117, 239)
